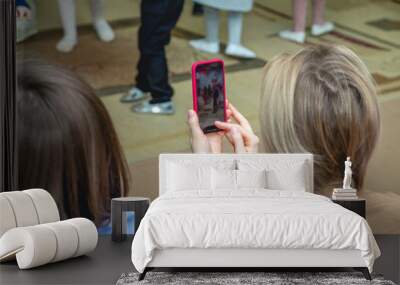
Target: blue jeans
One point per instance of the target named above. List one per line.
(158, 18)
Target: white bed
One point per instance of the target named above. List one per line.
(210, 226)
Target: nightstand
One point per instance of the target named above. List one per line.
(119, 208)
(357, 206)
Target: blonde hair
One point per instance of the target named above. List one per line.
(321, 100)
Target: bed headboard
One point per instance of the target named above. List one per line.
(211, 159)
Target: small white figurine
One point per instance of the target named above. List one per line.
(347, 174)
(346, 192)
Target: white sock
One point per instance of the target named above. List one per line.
(210, 43)
(204, 45)
(317, 30)
(211, 18)
(298, 37)
(68, 21)
(235, 20)
(239, 51)
(234, 47)
(103, 29)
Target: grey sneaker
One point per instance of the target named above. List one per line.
(134, 94)
(166, 108)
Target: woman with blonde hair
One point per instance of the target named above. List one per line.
(320, 100)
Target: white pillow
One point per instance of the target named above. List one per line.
(282, 174)
(223, 179)
(251, 178)
(181, 177)
(293, 178)
(206, 161)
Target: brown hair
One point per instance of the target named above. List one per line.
(66, 141)
(321, 100)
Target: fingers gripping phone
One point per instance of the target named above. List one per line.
(209, 96)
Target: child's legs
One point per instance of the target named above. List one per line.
(100, 24)
(299, 15)
(318, 12)
(235, 20)
(211, 17)
(234, 47)
(97, 8)
(68, 18)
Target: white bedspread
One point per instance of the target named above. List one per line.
(250, 219)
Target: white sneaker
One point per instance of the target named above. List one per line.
(134, 94)
(166, 108)
(298, 37)
(204, 45)
(239, 51)
(317, 30)
(66, 44)
(103, 30)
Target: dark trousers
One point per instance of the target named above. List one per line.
(158, 18)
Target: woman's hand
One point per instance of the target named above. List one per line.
(201, 142)
(240, 135)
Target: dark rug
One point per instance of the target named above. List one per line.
(229, 278)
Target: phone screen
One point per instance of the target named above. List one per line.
(210, 95)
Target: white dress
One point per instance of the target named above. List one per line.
(228, 5)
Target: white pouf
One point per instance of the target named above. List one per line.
(46, 207)
(40, 244)
(23, 208)
(7, 220)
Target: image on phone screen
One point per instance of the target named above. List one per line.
(210, 95)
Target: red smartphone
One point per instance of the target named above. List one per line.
(209, 96)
